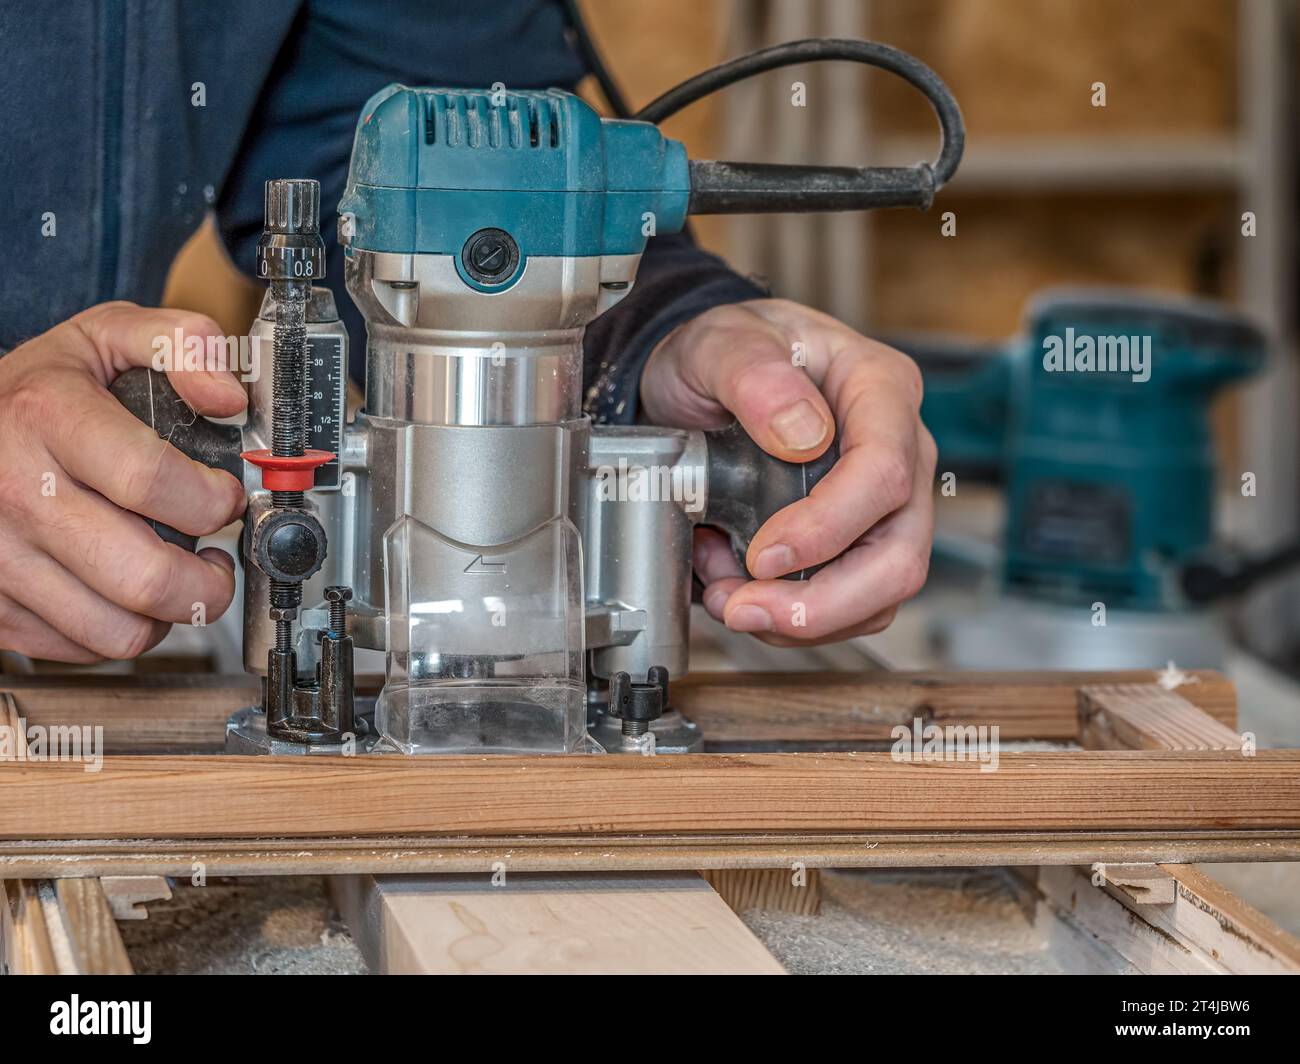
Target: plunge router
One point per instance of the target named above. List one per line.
(523, 569)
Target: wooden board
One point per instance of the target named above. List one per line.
(771, 889)
(63, 926)
(1212, 918)
(865, 707)
(1068, 895)
(1147, 717)
(339, 855)
(155, 714)
(1204, 930)
(128, 895)
(226, 796)
(96, 943)
(59, 927)
(647, 923)
(24, 937)
(188, 713)
(1143, 884)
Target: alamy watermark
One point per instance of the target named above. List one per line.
(1072, 353)
(682, 484)
(91, 1017)
(920, 742)
(240, 355)
(58, 742)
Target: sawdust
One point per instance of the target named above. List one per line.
(268, 925)
(942, 921)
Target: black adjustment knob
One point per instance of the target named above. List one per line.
(637, 704)
(289, 545)
(490, 256)
(291, 248)
(292, 206)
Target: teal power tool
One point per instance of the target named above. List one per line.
(527, 574)
(1096, 421)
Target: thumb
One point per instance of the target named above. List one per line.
(125, 336)
(754, 376)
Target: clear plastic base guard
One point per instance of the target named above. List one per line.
(485, 643)
(484, 718)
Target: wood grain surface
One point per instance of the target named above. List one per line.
(216, 796)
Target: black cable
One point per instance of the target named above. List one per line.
(731, 188)
(591, 57)
(723, 188)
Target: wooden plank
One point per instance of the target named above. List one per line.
(72, 927)
(338, 855)
(60, 927)
(772, 889)
(1069, 895)
(128, 895)
(1147, 717)
(795, 707)
(188, 713)
(1203, 929)
(97, 947)
(1007, 164)
(613, 924)
(28, 949)
(1233, 933)
(227, 796)
(28, 945)
(1076, 948)
(163, 713)
(1181, 903)
(1143, 884)
(8, 931)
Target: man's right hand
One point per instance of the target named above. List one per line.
(82, 577)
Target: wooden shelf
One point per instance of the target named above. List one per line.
(1022, 164)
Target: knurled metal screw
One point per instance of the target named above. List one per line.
(338, 596)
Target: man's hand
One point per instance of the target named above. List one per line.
(790, 375)
(81, 576)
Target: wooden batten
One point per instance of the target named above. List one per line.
(250, 797)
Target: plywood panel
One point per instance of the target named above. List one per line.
(1027, 66)
(1007, 249)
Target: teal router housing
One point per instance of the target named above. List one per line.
(430, 167)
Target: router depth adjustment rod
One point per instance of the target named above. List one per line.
(288, 542)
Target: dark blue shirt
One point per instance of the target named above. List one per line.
(125, 121)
